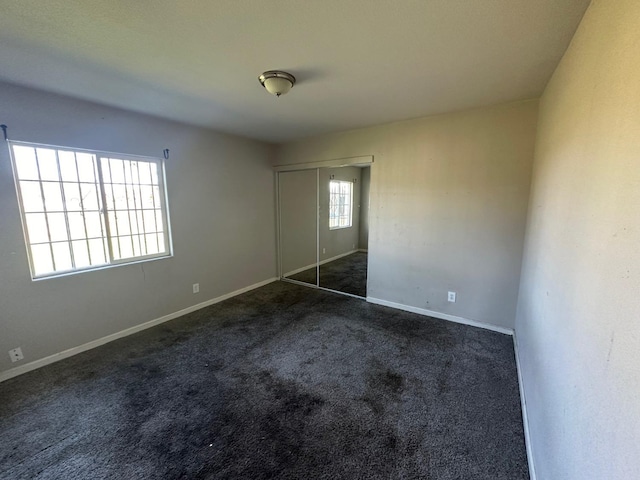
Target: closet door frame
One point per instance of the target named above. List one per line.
(338, 162)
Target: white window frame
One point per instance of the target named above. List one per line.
(103, 208)
(331, 194)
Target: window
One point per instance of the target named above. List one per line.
(340, 204)
(86, 209)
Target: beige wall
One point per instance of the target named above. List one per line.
(448, 205)
(222, 203)
(578, 322)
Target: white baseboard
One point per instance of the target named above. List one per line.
(326, 260)
(363, 250)
(27, 367)
(525, 416)
(298, 270)
(441, 316)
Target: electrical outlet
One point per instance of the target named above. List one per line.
(451, 297)
(196, 288)
(324, 250)
(16, 354)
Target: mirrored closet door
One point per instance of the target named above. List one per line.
(330, 204)
(298, 200)
(343, 227)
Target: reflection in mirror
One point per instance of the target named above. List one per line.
(344, 228)
(298, 225)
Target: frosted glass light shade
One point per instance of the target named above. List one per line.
(277, 86)
(277, 83)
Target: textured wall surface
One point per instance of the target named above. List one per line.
(448, 206)
(578, 317)
(222, 204)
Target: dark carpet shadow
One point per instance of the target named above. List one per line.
(347, 274)
(283, 382)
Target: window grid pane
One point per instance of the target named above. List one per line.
(340, 204)
(85, 175)
(132, 211)
(112, 224)
(135, 177)
(46, 264)
(155, 217)
(70, 206)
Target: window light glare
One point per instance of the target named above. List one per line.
(340, 204)
(68, 228)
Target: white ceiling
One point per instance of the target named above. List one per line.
(358, 62)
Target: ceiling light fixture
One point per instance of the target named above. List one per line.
(276, 82)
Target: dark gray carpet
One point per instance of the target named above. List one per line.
(347, 274)
(284, 382)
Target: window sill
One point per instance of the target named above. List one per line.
(70, 273)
